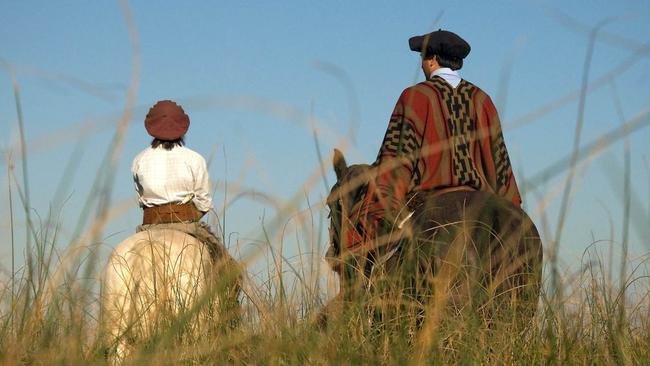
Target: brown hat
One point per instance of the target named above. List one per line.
(167, 121)
(440, 42)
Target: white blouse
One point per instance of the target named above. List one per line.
(171, 176)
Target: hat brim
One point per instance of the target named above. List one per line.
(415, 43)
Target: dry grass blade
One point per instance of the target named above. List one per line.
(590, 150)
(627, 196)
(615, 72)
(418, 68)
(575, 154)
(13, 243)
(611, 39)
(353, 102)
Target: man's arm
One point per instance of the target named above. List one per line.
(498, 169)
(396, 160)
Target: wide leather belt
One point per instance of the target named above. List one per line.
(171, 213)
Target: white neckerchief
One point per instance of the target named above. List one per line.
(450, 76)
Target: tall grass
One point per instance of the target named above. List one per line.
(595, 320)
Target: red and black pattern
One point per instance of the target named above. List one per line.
(400, 138)
(438, 137)
(462, 126)
(501, 161)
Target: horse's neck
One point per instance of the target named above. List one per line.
(173, 239)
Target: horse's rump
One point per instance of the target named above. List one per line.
(469, 249)
(157, 256)
(150, 278)
(481, 247)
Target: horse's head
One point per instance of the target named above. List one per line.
(350, 186)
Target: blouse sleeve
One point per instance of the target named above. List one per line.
(202, 197)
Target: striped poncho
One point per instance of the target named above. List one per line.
(438, 137)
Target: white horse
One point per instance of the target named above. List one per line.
(151, 277)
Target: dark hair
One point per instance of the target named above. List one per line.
(167, 144)
(454, 63)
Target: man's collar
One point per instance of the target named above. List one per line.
(450, 76)
(445, 71)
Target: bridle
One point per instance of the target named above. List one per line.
(339, 204)
(335, 217)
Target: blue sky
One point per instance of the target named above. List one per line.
(250, 74)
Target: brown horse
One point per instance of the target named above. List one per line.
(467, 252)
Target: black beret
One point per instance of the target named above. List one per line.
(440, 42)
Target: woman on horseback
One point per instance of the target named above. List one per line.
(172, 180)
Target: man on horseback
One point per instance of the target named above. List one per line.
(443, 161)
(172, 181)
(436, 219)
(444, 135)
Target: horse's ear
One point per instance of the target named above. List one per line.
(340, 166)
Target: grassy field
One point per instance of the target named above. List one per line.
(591, 319)
(597, 312)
